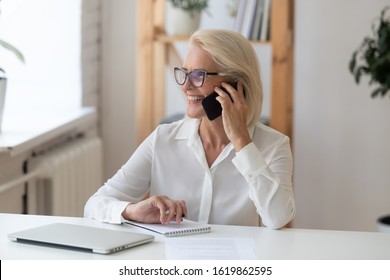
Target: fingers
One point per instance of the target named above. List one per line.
(181, 211)
(169, 209)
(235, 105)
(236, 95)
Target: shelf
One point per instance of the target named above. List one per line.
(171, 39)
(167, 39)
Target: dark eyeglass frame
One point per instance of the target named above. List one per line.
(187, 75)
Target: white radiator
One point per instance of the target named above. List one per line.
(69, 175)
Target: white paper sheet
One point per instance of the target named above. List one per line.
(210, 249)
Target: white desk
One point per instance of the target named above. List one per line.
(271, 244)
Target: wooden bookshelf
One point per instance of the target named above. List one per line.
(155, 50)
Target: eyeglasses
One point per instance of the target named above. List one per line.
(196, 77)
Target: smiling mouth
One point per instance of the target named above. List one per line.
(194, 98)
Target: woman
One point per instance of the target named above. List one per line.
(230, 170)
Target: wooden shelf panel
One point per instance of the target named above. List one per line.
(169, 39)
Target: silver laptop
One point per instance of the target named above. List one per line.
(82, 238)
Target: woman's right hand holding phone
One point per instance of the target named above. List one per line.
(234, 115)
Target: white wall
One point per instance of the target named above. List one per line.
(341, 135)
(118, 83)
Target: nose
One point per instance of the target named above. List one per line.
(187, 85)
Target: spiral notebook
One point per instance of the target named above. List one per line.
(186, 227)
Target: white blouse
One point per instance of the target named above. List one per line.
(244, 188)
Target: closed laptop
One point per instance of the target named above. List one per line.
(79, 237)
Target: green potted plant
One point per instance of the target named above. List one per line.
(3, 77)
(184, 16)
(374, 57)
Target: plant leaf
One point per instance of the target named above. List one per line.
(359, 72)
(376, 92)
(352, 62)
(385, 90)
(372, 58)
(12, 49)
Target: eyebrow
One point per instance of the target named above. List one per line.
(195, 69)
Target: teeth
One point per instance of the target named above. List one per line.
(194, 98)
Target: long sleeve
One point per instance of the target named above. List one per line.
(269, 180)
(129, 185)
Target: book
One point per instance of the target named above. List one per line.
(240, 16)
(249, 15)
(256, 27)
(186, 227)
(266, 19)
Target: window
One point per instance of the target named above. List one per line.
(48, 33)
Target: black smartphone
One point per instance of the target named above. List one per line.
(211, 105)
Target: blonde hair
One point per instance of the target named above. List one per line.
(235, 56)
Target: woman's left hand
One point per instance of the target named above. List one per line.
(234, 115)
